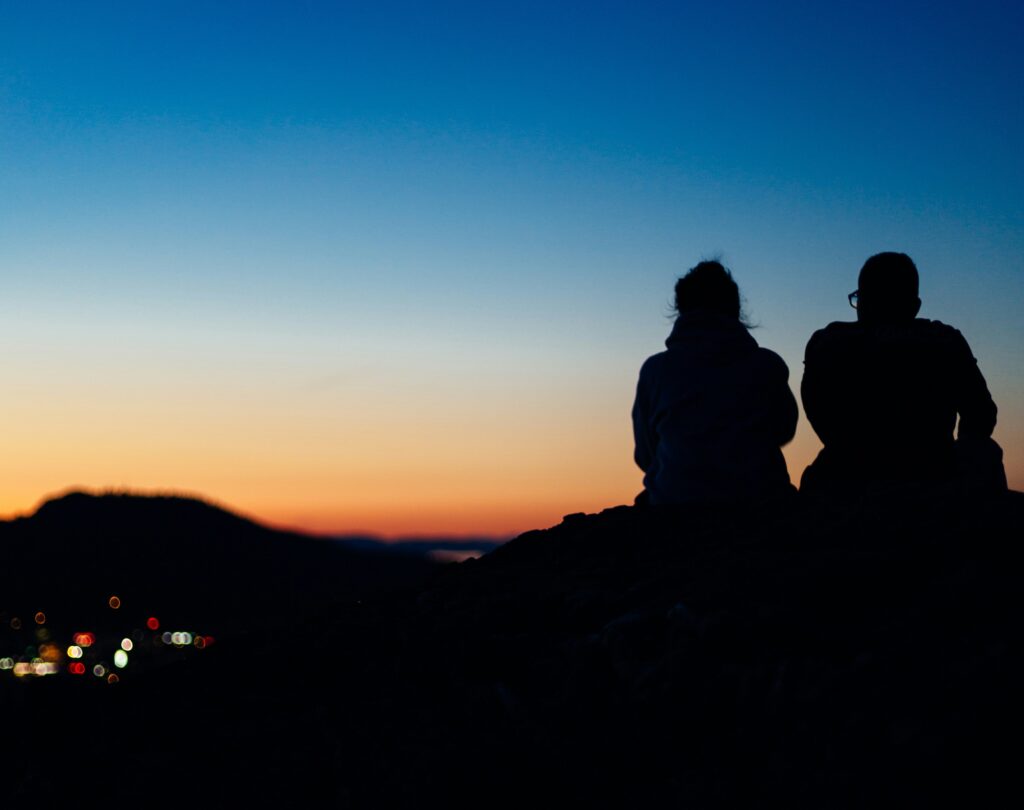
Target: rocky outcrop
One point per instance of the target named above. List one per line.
(798, 653)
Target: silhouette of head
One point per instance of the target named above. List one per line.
(887, 289)
(708, 287)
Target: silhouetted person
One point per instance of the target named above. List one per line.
(883, 393)
(713, 410)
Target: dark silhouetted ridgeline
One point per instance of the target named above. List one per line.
(188, 560)
(800, 654)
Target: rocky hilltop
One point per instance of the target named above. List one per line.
(800, 654)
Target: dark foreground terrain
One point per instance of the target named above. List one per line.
(800, 654)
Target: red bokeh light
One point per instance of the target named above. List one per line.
(77, 668)
(84, 639)
(153, 623)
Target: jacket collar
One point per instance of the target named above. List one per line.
(721, 331)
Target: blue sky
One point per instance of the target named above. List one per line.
(452, 205)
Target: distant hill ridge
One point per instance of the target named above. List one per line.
(79, 504)
(181, 555)
(116, 508)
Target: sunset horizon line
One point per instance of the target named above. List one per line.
(286, 526)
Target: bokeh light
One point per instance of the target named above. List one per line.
(84, 639)
(37, 667)
(49, 652)
(43, 654)
(181, 639)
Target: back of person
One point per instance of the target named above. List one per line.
(884, 393)
(712, 412)
(884, 397)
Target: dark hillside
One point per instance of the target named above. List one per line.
(186, 559)
(797, 655)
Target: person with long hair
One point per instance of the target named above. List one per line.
(713, 410)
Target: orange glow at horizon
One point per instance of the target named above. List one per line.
(506, 462)
(449, 497)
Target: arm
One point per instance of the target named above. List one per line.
(644, 438)
(783, 411)
(973, 401)
(816, 389)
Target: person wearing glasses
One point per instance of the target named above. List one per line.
(884, 394)
(713, 410)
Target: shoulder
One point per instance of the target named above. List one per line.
(652, 365)
(937, 329)
(943, 334)
(836, 334)
(772, 363)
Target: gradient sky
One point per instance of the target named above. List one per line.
(395, 266)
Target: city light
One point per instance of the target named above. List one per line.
(49, 652)
(37, 668)
(52, 652)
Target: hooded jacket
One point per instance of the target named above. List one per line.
(711, 414)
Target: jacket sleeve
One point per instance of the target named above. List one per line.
(817, 388)
(782, 407)
(974, 403)
(644, 437)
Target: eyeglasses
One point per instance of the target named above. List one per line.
(853, 298)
